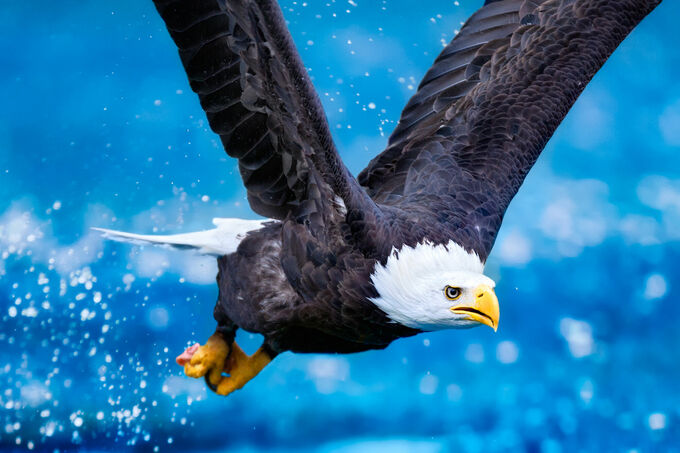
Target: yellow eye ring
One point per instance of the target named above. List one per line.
(452, 293)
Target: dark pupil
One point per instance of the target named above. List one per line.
(452, 292)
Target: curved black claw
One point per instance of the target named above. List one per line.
(209, 384)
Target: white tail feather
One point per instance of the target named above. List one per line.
(219, 241)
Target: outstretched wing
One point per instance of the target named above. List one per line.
(242, 63)
(489, 104)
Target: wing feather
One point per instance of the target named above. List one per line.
(241, 61)
(488, 105)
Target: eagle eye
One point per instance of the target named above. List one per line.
(452, 293)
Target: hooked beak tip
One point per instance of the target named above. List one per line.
(485, 308)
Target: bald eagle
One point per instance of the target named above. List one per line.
(350, 264)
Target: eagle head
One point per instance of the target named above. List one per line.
(432, 287)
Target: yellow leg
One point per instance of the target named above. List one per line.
(241, 368)
(209, 359)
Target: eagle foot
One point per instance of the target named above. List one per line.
(208, 360)
(241, 369)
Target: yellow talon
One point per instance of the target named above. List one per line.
(209, 359)
(216, 357)
(241, 368)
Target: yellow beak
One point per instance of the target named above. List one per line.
(484, 309)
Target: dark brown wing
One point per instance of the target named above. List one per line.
(242, 63)
(489, 104)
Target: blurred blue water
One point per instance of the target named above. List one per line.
(98, 127)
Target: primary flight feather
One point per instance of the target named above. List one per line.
(347, 264)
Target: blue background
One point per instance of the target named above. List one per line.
(98, 127)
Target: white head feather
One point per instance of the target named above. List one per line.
(411, 284)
